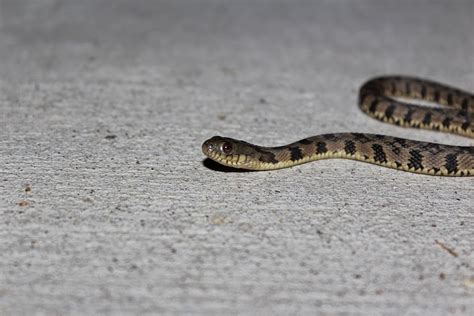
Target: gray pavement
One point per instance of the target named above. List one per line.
(107, 207)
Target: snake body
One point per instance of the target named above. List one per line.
(380, 99)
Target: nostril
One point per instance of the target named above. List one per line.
(210, 147)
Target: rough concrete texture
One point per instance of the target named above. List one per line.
(107, 208)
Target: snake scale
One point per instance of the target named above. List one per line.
(380, 98)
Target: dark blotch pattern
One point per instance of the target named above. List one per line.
(408, 87)
(350, 147)
(305, 141)
(330, 136)
(436, 96)
(447, 121)
(361, 138)
(296, 153)
(321, 148)
(434, 149)
(267, 157)
(379, 154)
(373, 106)
(397, 144)
(415, 160)
(389, 111)
(427, 118)
(409, 114)
(465, 125)
(401, 141)
(450, 99)
(423, 91)
(463, 113)
(451, 163)
(396, 150)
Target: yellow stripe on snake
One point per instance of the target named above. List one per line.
(378, 99)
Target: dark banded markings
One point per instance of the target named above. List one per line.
(423, 91)
(305, 141)
(330, 136)
(436, 96)
(447, 121)
(389, 111)
(416, 160)
(463, 112)
(373, 106)
(401, 141)
(396, 150)
(427, 119)
(361, 138)
(465, 125)
(464, 104)
(267, 157)
(321, 148)
(409, 114)
(408, 88)
(379, 154)
(350, 147)
(451, 163)
(296, 154)
(449, 99)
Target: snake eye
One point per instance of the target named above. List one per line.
(226, 147)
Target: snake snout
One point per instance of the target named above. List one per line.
(208, 147)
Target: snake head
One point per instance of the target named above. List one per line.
(229, 152)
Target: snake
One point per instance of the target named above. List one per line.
(388, 99)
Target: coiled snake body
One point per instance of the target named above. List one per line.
(377, 99)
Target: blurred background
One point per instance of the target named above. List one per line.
(319, 38)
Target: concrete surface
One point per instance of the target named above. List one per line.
(107, 208)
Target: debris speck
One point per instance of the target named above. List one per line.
(22, 203)
(449, 250)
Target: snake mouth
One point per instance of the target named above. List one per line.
(234, 161)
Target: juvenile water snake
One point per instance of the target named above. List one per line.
(379, 98)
